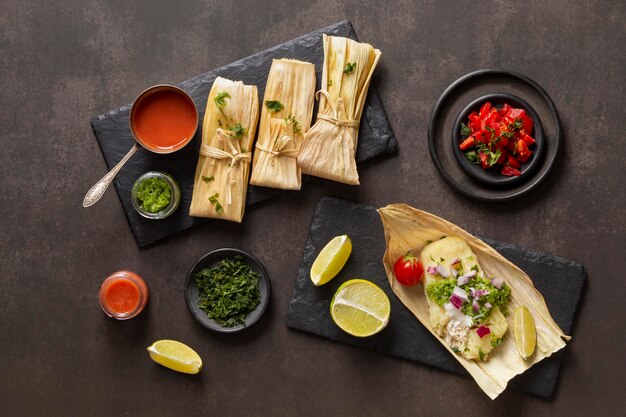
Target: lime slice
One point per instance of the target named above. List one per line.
(176, 356)
(525, 333)
(331, 259)
(360, 308)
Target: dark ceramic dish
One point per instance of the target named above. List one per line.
(469, 88)
(492, 176)
(192, 294)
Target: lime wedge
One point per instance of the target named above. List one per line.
(360, 308)
(176, 356)
(525, 332)
(331, 259)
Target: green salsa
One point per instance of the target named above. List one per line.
(154, 194)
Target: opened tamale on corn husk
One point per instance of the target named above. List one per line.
(221, 179)
(286, 115)
(329, 147)
(406, 229)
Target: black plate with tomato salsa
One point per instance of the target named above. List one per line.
(481, 145)
(444, 120)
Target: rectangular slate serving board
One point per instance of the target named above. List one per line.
(115, 139)
(559, 280)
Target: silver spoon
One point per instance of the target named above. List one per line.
(97, 191)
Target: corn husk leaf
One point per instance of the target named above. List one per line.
(406, 229)
(292, 84)
(329, 147)
(221, 178)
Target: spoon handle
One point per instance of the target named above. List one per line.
(98, 189)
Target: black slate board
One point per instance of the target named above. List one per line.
(115, 139)
(559, 280)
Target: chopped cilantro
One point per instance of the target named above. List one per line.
(349, 67)
(214, 200)
(274, 106)
(208, 179)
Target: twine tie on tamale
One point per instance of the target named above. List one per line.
(278, 148)
(335, 106)
(235, 157)
(338, 109)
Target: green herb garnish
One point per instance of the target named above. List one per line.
(495, 341)
(518, 124)
(214, 200)
(294, 122)
(228, 291)
(472, 156)
(481, 354)
(237, 129)
(274, 106)
(465, 129)
(220, 99)
(349, 67)
(208, 179)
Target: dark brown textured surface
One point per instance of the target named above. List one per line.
(63, 62)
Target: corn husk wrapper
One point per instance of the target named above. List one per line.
(406, 229)
(329, 147)
(221, 179)
(292, 83)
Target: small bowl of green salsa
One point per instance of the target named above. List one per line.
(155, 195)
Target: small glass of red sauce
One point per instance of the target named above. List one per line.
(163, 119)
(123, 295)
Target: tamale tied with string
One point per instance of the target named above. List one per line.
(221, 179)
(286, 115)
(328, 149)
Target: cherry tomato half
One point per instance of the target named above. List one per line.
(408, 269)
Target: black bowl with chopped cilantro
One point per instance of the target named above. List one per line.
(492, 177)
(227, 290)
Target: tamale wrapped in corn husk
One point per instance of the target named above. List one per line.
(285, 117)
(221, 180)
(329, 147)
(406, 229)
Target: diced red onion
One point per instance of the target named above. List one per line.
(459, 292)
(488, 305)
(456, 301)
(462, 280)
(479, 293)
(455, 272)
(497, 282)
(483, 331)
(455, 262)
(443, 271)
(470, 273)
(475, 306)
(431, 270)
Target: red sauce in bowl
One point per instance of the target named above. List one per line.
(123, 295)
(163, 119)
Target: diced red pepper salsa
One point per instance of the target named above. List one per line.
(498, 137)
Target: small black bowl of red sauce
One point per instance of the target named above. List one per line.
(498, 140)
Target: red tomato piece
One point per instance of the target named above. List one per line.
(510, 171)
(408, 269)
(528, 140)
(527, 123)
(484, 160)
(484, 110)
(516, 113)
(467, 143)
(474, 119)
(523, 153)
(505, 109)
(513, 162)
